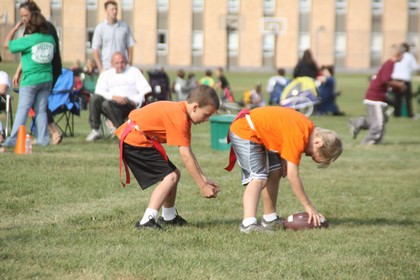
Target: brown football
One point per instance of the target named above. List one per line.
(299, 221)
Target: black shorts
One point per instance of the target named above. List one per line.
(147, 165)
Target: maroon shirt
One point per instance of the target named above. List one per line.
(378, 87)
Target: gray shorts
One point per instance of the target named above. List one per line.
(254, 159)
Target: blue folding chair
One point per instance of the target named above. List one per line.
(64, 102)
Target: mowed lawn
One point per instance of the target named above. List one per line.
(64, 214)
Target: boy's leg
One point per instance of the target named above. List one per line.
(270, 192)
(165, 191)
(251, 198)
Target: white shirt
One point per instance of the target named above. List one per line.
(131, 84)
(4, 79)
(273, 80)
(404, 68)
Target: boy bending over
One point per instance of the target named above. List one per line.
(140, 148)
(268, 143)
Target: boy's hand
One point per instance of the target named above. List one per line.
(314, 216)
(209, 191)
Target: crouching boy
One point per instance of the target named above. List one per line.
(140, 148)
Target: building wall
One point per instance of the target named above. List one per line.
(144, 30)
(322, 31)
(250, 38)
(74, 31)
(394, 28)
(180, 33)
(287, 43)
(214, 54)
(358, 40)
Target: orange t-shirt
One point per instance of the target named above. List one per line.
(278, 129)
(166, 121)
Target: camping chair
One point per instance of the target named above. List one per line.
(300, 94)
(6, 106)
(159, 82)
(64, 102)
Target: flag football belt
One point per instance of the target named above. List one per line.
(130, 125)
(232, 156)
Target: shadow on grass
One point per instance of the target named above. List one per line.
(372, 222)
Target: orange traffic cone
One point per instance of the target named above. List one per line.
(20, 143)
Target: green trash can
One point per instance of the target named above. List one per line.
(219, 126)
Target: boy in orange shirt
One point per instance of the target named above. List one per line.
(140, 148)
(268, 143)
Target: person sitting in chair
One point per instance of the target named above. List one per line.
(118, 91)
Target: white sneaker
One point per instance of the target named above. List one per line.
(93, 135)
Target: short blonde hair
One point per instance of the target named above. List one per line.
(332, 148)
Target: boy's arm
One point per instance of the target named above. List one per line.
(207, 188)
(299, 191)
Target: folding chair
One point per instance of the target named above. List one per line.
(64, 101)
(6, 106)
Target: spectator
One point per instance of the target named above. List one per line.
(376, 101)
(223, 84)
(276, 85)
(119, 90)
(257, 97)
(180, 86)
(306, 66)
(402, 72)
(37, 49)
(26, 10)
(327, 92)
(111, 36)
(207, 79)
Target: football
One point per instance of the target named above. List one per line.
(299, 221)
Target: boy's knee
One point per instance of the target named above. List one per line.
(174, 176)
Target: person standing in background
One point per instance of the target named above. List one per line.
(402, 72)
(111, 36)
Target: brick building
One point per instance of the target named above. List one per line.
(238, 34)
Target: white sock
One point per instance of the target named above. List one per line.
(148, 215)
(270, 217)
(168, 214)
(249, 221)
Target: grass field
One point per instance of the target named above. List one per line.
(64, 214)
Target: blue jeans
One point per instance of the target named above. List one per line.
(35, 96)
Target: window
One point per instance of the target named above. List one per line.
(198, 5)
(233, 6)
(197, 42)
(304, 42)
(92, 4)
(269, 7)
(340, 44)
(269, 44)
(377, 7)
(127, 5)
(413, 6)
(340, 7)
(305, 6)
(162, 41)
(56, 4)
(89, 37)
(233, 43)
(162, 5)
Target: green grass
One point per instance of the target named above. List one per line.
(64, 214)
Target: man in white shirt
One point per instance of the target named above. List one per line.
(111, 36)
(4, 89)
(402, 72)
(118, 91)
